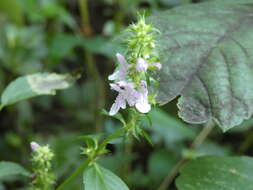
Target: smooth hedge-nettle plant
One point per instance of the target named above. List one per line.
(42, 156)
(132, 77)
(133, 81)
(208, 69)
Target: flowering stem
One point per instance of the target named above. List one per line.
(126, 169)
(42, 157)
(87, 162)
(195, 144)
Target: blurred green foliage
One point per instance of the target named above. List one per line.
(50, 35)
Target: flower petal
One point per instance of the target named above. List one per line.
(158, 65)
(121, 59)
(141, 65)
(142, 104)
(115, 87)
(34, 146)
(123, 67)
(143, 107)
(121, 72)
(120, 102)
(113, 76)
(114, 109)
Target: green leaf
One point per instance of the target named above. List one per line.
(205, 149)
(207, 58)
(103, 46)
(160, 163)
(217, 172)
(168, 128)
(15, 50)
(62, 44)
(211, 148)
(35, 85)
(117, 116)
(13, 10)
(175, 2)
(245, 126)
(2, 187)
(99, 178)
(9, 169)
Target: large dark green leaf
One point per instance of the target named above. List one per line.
(99, 178)
(217, 173)
(206, 51)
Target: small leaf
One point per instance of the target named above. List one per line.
(217, 172)
(117, 116)
(146, 136)
(9, 169)
(206, 55)
(99, 178)
(35, 85)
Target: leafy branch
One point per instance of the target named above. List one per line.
(89, 161)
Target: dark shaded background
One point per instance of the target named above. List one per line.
(70, 35)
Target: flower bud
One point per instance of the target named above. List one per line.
(34, 146)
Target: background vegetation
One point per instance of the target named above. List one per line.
(73, 36)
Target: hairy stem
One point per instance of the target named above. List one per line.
(195, 144)
(126, 168)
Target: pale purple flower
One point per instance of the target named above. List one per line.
(141, 65)
(142, 104)
(158, 65)
(127, 94)
(121, 72)
(34, 146)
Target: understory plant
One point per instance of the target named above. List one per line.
(201, 54)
